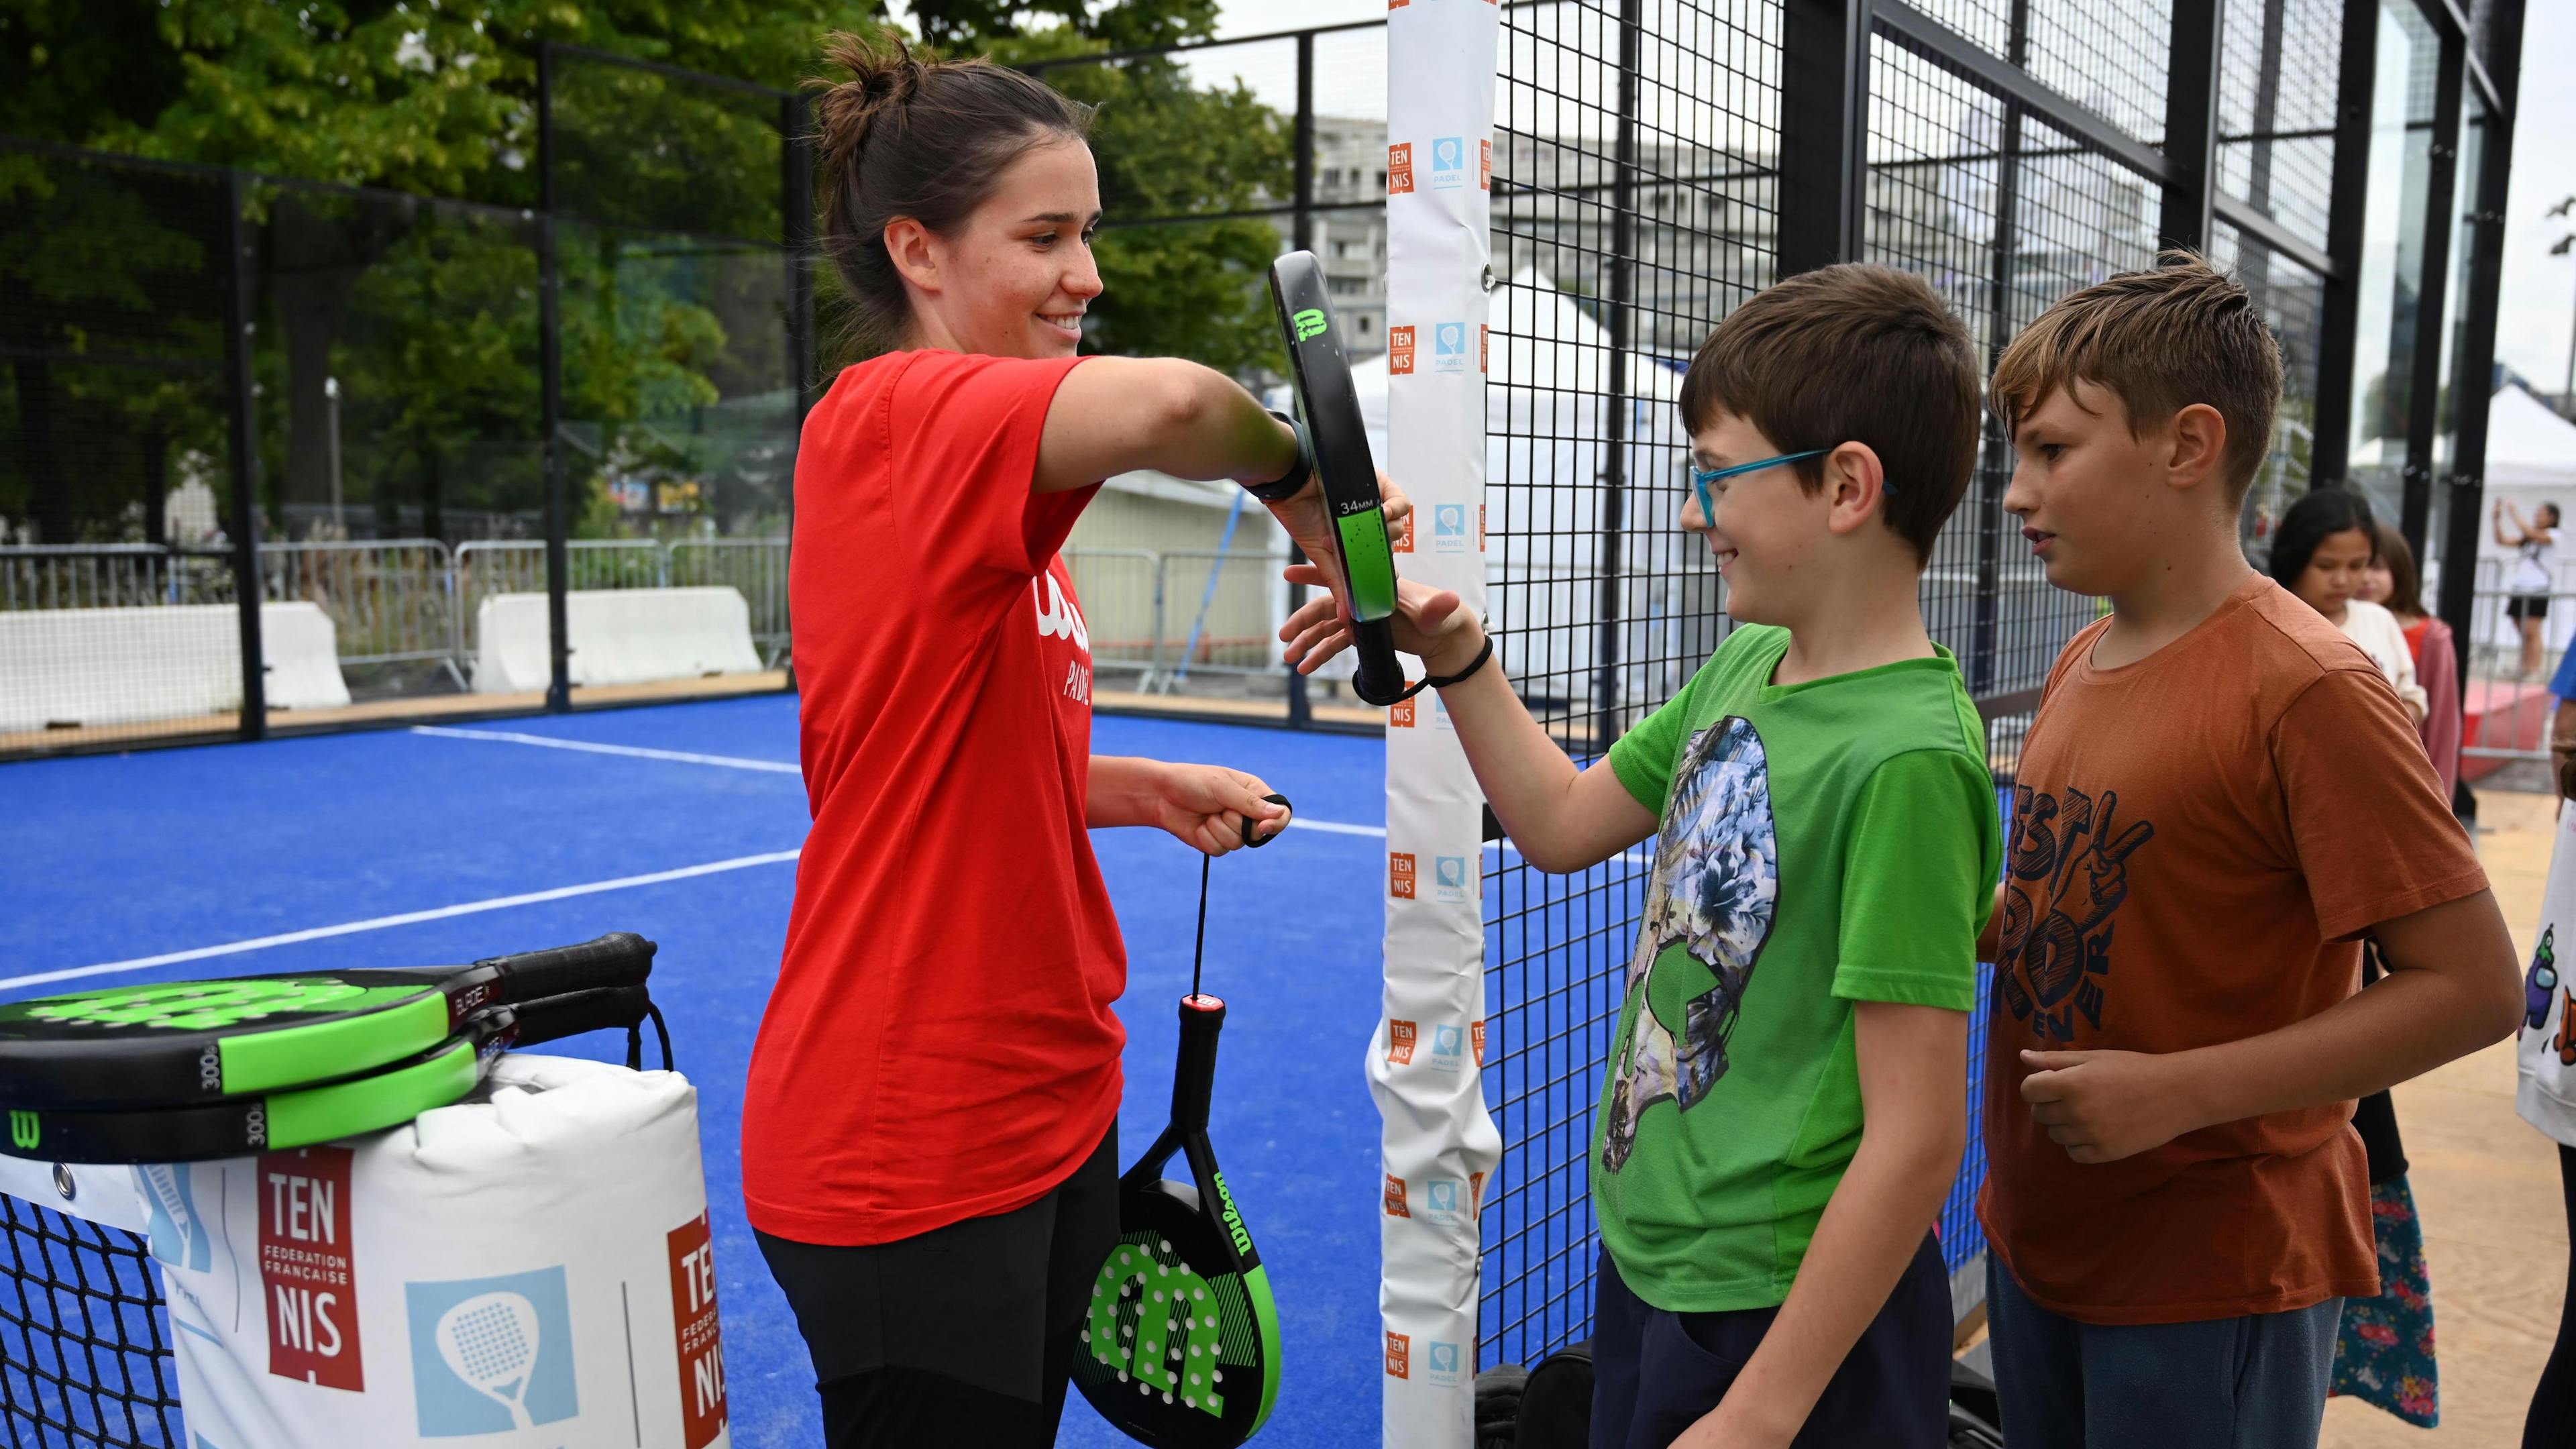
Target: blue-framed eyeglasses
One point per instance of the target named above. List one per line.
(1702, 477)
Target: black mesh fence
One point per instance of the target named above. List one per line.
(383, 369)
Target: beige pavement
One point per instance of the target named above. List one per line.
(2487, 1186)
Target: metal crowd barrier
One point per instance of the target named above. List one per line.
(413, 600)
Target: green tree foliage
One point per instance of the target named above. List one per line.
(424, 312)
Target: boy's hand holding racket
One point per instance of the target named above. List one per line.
(1427, 624)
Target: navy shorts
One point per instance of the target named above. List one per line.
(1656, 1373)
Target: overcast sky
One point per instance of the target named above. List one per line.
(2538, 315)
(2539, 299)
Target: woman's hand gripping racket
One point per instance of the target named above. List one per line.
(184, 1042)
(1182, 1345)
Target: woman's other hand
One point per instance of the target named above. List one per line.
(1204, 807)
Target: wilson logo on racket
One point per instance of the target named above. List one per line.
(1310, 323)
(26, 1129)
(1233, 1220)
(1154, 1321)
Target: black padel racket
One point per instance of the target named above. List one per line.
(275, 1121)
(1321, 376)
(182, 1042)
(1182, 1344)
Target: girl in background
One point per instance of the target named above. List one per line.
(2323, 553)
(2393, 583)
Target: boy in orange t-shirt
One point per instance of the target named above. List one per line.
(2219, 797)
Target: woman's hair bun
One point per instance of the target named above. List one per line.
(883, 73)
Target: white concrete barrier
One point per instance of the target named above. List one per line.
(618, 636)
(65, 668)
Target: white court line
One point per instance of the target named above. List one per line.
(437, 913)
(737, 762)
(549, 742)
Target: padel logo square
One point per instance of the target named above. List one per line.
(489, 1355)
(1399, 1355)
(1440, 1202)
(1449, 347)
(1399, 874)
(1449, 878)
(1448, 1047)
(1399, 715)
(1449, 528)
(1399, 169)
(1442, 1363)
(1399, 351)
(1400, 1036)
(1449, 163)
(1395, 1197)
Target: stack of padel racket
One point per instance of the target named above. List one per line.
(196, 1070)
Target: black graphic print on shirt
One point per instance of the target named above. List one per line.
(2068, 873)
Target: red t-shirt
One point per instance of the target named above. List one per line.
(940, 1043)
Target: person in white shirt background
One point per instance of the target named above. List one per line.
(2535, 572)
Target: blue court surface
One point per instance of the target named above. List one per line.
(449, 844)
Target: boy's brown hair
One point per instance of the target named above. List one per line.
(1852, 354)
(2159, 341)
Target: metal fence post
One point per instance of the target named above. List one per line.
(2191, 125)
(2475, 384)
(550, 403)
(804, 361)
(1824, 132)
(1986, 634)
(1617, 406)
(1301, 709)
(242, 425)
(2339, 325)
(2424, 396)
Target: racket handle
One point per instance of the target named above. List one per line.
(1194, 1075)
(620, 958)
(557, 1017)
(1378, 677)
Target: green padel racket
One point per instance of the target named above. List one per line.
(279, 1120)
(182, 1042)
(1321, 376)
(1182, 1344)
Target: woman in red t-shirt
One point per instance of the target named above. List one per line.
(929, 1130)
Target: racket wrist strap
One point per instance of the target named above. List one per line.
(1443, 681)
(1293, 482)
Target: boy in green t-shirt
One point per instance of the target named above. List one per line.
(1786, 1097)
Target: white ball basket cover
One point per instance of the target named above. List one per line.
(529, 1267)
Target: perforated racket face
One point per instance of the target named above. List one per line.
(491, 1342)
(185, 1041)
(1180, 1349)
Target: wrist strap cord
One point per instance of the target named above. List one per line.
(1198, 947)
(1430, 681)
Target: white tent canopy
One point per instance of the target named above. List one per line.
(2527, 444)
(1548, 424)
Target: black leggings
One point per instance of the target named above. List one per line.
(2552, 1424)
(964, 1335)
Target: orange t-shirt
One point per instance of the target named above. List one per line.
(2198, 841)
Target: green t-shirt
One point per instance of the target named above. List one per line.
(1822, 843)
